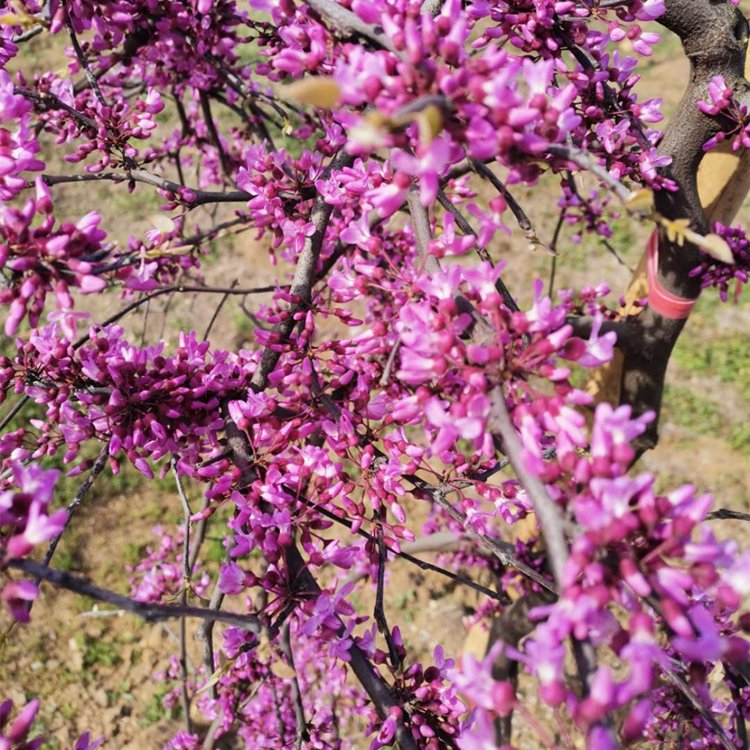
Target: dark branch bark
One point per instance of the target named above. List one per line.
(545, 509)
(202, 197)
(304, 278)
(380, 693)
(511, 627)
(146, 610)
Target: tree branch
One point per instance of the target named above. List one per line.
(147, 611)
(546, 511)
(304, 278)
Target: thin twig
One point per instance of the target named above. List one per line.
(467, 229)
(520, 215)
(544, 508)
(14, 411)
(180, 289)
(213, 132)
(201, 197)
(50, 101)
(586, 161)
(553, 249)
(29, 34)
(186, 583)
(379, 610)
(80, 496)
(726, 514)
(82, 58)
(148, 611)
(428, 544)
(200, 534)
(612, 251)
(501, 550)
(682, 686)
(217, 311)
(205, 636)
(302, 734)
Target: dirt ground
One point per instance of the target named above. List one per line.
(95, 672)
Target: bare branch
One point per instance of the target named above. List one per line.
(501, 550)
(180, 289)
(14, 412)
(304, 278)
(523, 220)
(350, 23)
(302, 735)
(546, 511)
(202, 197)
(82, 58)
(28, 34)
(186, 577)
(725, 513)
(586, 161)
(148, 611)
(80, 496)
(216, 312)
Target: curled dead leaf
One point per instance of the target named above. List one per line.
(318, 91)
(712, 245)
(163, 223)
(640, 201)
(430, 123)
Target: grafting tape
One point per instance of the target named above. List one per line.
(665, 303)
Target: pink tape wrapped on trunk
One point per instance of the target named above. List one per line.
(660, 300)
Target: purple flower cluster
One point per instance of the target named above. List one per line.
(26, 521)
(642, 564)
(142, 403)
(734, 115)
(368, 397)
(15, 736)
(159, 575)
(39, 259)
(19, 146)
(714, 273)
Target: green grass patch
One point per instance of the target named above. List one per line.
(686, 408)
(156, 711)
(98, 650)
(727, 358)
(739, 438)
